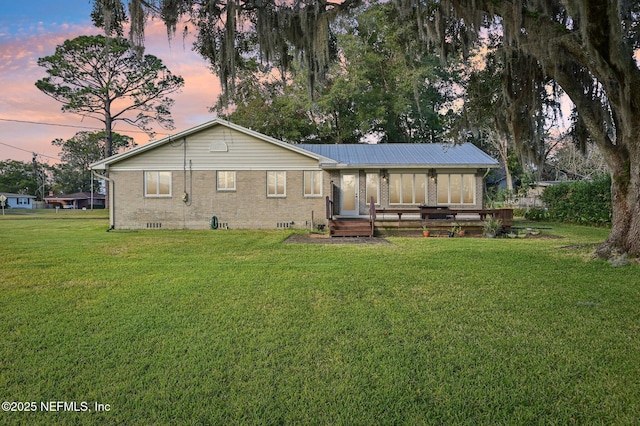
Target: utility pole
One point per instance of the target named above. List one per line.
(34, 160)
(40, 176)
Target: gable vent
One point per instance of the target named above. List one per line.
(154, 225)
(218, 146)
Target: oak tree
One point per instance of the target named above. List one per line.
(587, 48)
(77, 153)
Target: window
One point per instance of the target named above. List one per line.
(276, 184)
(373, 187)
(226, 181)
(157, 184)
(313, 183)
(407, 188)
(23, 201)
(456, 189)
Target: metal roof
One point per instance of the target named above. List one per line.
(12, 195)
(403, 155)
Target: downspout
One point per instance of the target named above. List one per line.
(112, 222)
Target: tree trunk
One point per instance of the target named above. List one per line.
(624, 163)
(108, 124)
(509, 179)
(503, 147)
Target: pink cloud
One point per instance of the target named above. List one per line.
(22, 101)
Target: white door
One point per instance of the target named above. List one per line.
(349, 205)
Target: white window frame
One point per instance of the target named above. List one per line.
(225, 173)
(314, 176)
(377, 194)
(413, 188)
(462, 187)
(157, 173)
(277, 175)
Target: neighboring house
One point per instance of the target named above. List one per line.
(248, 180)
(534, 194)
(18, 201)
(79, 200)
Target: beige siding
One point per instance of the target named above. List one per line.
(206, 151)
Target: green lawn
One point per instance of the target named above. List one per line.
(234, 327)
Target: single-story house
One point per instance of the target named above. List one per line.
(18, 201)
(78, 200)
(225, 174)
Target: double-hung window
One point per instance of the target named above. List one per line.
(276, 184)
(157, 184)
(407, 188)
(312, 183)
(226, 180)
(456, 188)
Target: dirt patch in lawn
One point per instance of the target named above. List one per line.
(325, 239)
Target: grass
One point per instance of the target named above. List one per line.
(234, 327)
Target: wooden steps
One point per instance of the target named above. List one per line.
(350, 228)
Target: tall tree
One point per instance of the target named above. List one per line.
(385, 84)
(586, 46)
(22, 178)
(226, 29)
(278, 107)
(486, 117)
(378, 89)
(103, 78)
(77, 153)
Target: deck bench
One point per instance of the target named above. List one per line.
(432, 214)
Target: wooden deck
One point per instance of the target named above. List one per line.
(432, 213)
(438, 220)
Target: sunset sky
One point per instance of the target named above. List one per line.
(33, 29)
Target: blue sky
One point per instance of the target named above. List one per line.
(23, 18)
(32, 29)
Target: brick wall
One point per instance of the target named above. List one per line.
(248, 207)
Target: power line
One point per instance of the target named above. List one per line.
(41, 123)
(26, 150)
(48, 124)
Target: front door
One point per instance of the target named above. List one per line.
(349, 205)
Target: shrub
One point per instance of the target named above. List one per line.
(519, 212)
(536, 213)
(585, 202)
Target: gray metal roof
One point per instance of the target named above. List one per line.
(12, 195)
(403, 155)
